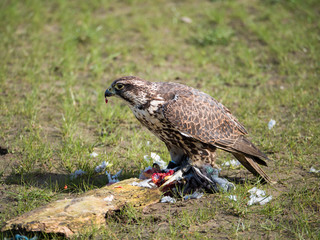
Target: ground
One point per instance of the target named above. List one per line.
(259, 58)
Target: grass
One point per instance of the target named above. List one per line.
(260, 58)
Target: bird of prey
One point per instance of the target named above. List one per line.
(191, 123)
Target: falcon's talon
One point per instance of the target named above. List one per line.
(172, 165)
(191, 123)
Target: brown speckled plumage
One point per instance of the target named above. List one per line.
(190, 123)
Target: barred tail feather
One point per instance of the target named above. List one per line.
(250, 164)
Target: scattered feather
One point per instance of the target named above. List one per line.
(113, 178)
(271, 124)
(232, 163)
(233, 197)
(186, 20)
(155, 158)
(101, 167)
(313, 170)
(77, 173)
(109, 198)
(258, 196)
(195, 195)
(94, 154)
(145, 183)
(168, 199)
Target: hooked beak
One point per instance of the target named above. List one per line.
(109, 92)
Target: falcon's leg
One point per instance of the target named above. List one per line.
(204, 157)
(177, 155)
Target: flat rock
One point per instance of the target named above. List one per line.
(75, 215)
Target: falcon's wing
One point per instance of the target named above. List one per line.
(200, 116)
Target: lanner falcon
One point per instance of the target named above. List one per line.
(191, 123)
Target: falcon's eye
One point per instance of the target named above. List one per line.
(119, 86)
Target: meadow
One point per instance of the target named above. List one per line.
(261, 59)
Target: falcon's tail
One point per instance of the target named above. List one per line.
(251, 164)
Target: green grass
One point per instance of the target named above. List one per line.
(260, 58)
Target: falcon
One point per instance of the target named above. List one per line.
(192, 124)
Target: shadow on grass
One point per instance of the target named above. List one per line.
(63, 182)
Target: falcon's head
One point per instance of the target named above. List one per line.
(133, 90)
